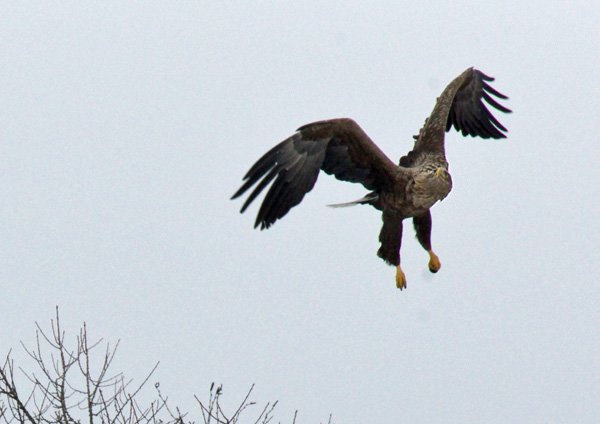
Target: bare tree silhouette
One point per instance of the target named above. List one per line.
(69, 387)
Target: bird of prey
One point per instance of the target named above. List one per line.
(341, 148)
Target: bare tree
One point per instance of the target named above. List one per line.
(68, 386)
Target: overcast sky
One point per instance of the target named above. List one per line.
(125, 129)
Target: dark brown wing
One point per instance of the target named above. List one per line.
(469, 114)
(460, 105)
(338, 147)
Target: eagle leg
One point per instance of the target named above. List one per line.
(422, 226)
(400, 278)
(434, 262)
(391, 239)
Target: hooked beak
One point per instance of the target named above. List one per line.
(439, 173)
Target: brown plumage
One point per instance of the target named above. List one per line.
(341, 148)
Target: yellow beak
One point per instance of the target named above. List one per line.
(440, 172)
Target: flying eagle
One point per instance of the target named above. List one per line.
(409, 189)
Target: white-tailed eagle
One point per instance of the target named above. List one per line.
(341, 148)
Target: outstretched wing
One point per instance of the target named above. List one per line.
(468, 113)
(461, 105)
(338, 147)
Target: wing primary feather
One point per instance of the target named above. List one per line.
(493, 120)
(483, 76)
(250, 181)
(296, 182)
(281, 154)
(481, 126)
(288, 189)
(260, 168)
(265, 181)
(494, 103)
(267, 160)
(493, 91)
(265, 213)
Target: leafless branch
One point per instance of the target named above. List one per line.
(66, 387)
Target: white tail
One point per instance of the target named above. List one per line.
(367, 199)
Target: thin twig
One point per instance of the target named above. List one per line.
(137, 391)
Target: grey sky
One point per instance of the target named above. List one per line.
(126, 128)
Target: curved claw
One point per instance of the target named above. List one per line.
(434, 262)
(400, 278)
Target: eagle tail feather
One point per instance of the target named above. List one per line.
(367, 200)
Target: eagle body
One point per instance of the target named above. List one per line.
(341, 148)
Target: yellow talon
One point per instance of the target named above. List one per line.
(434, 262)
(400, 278)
